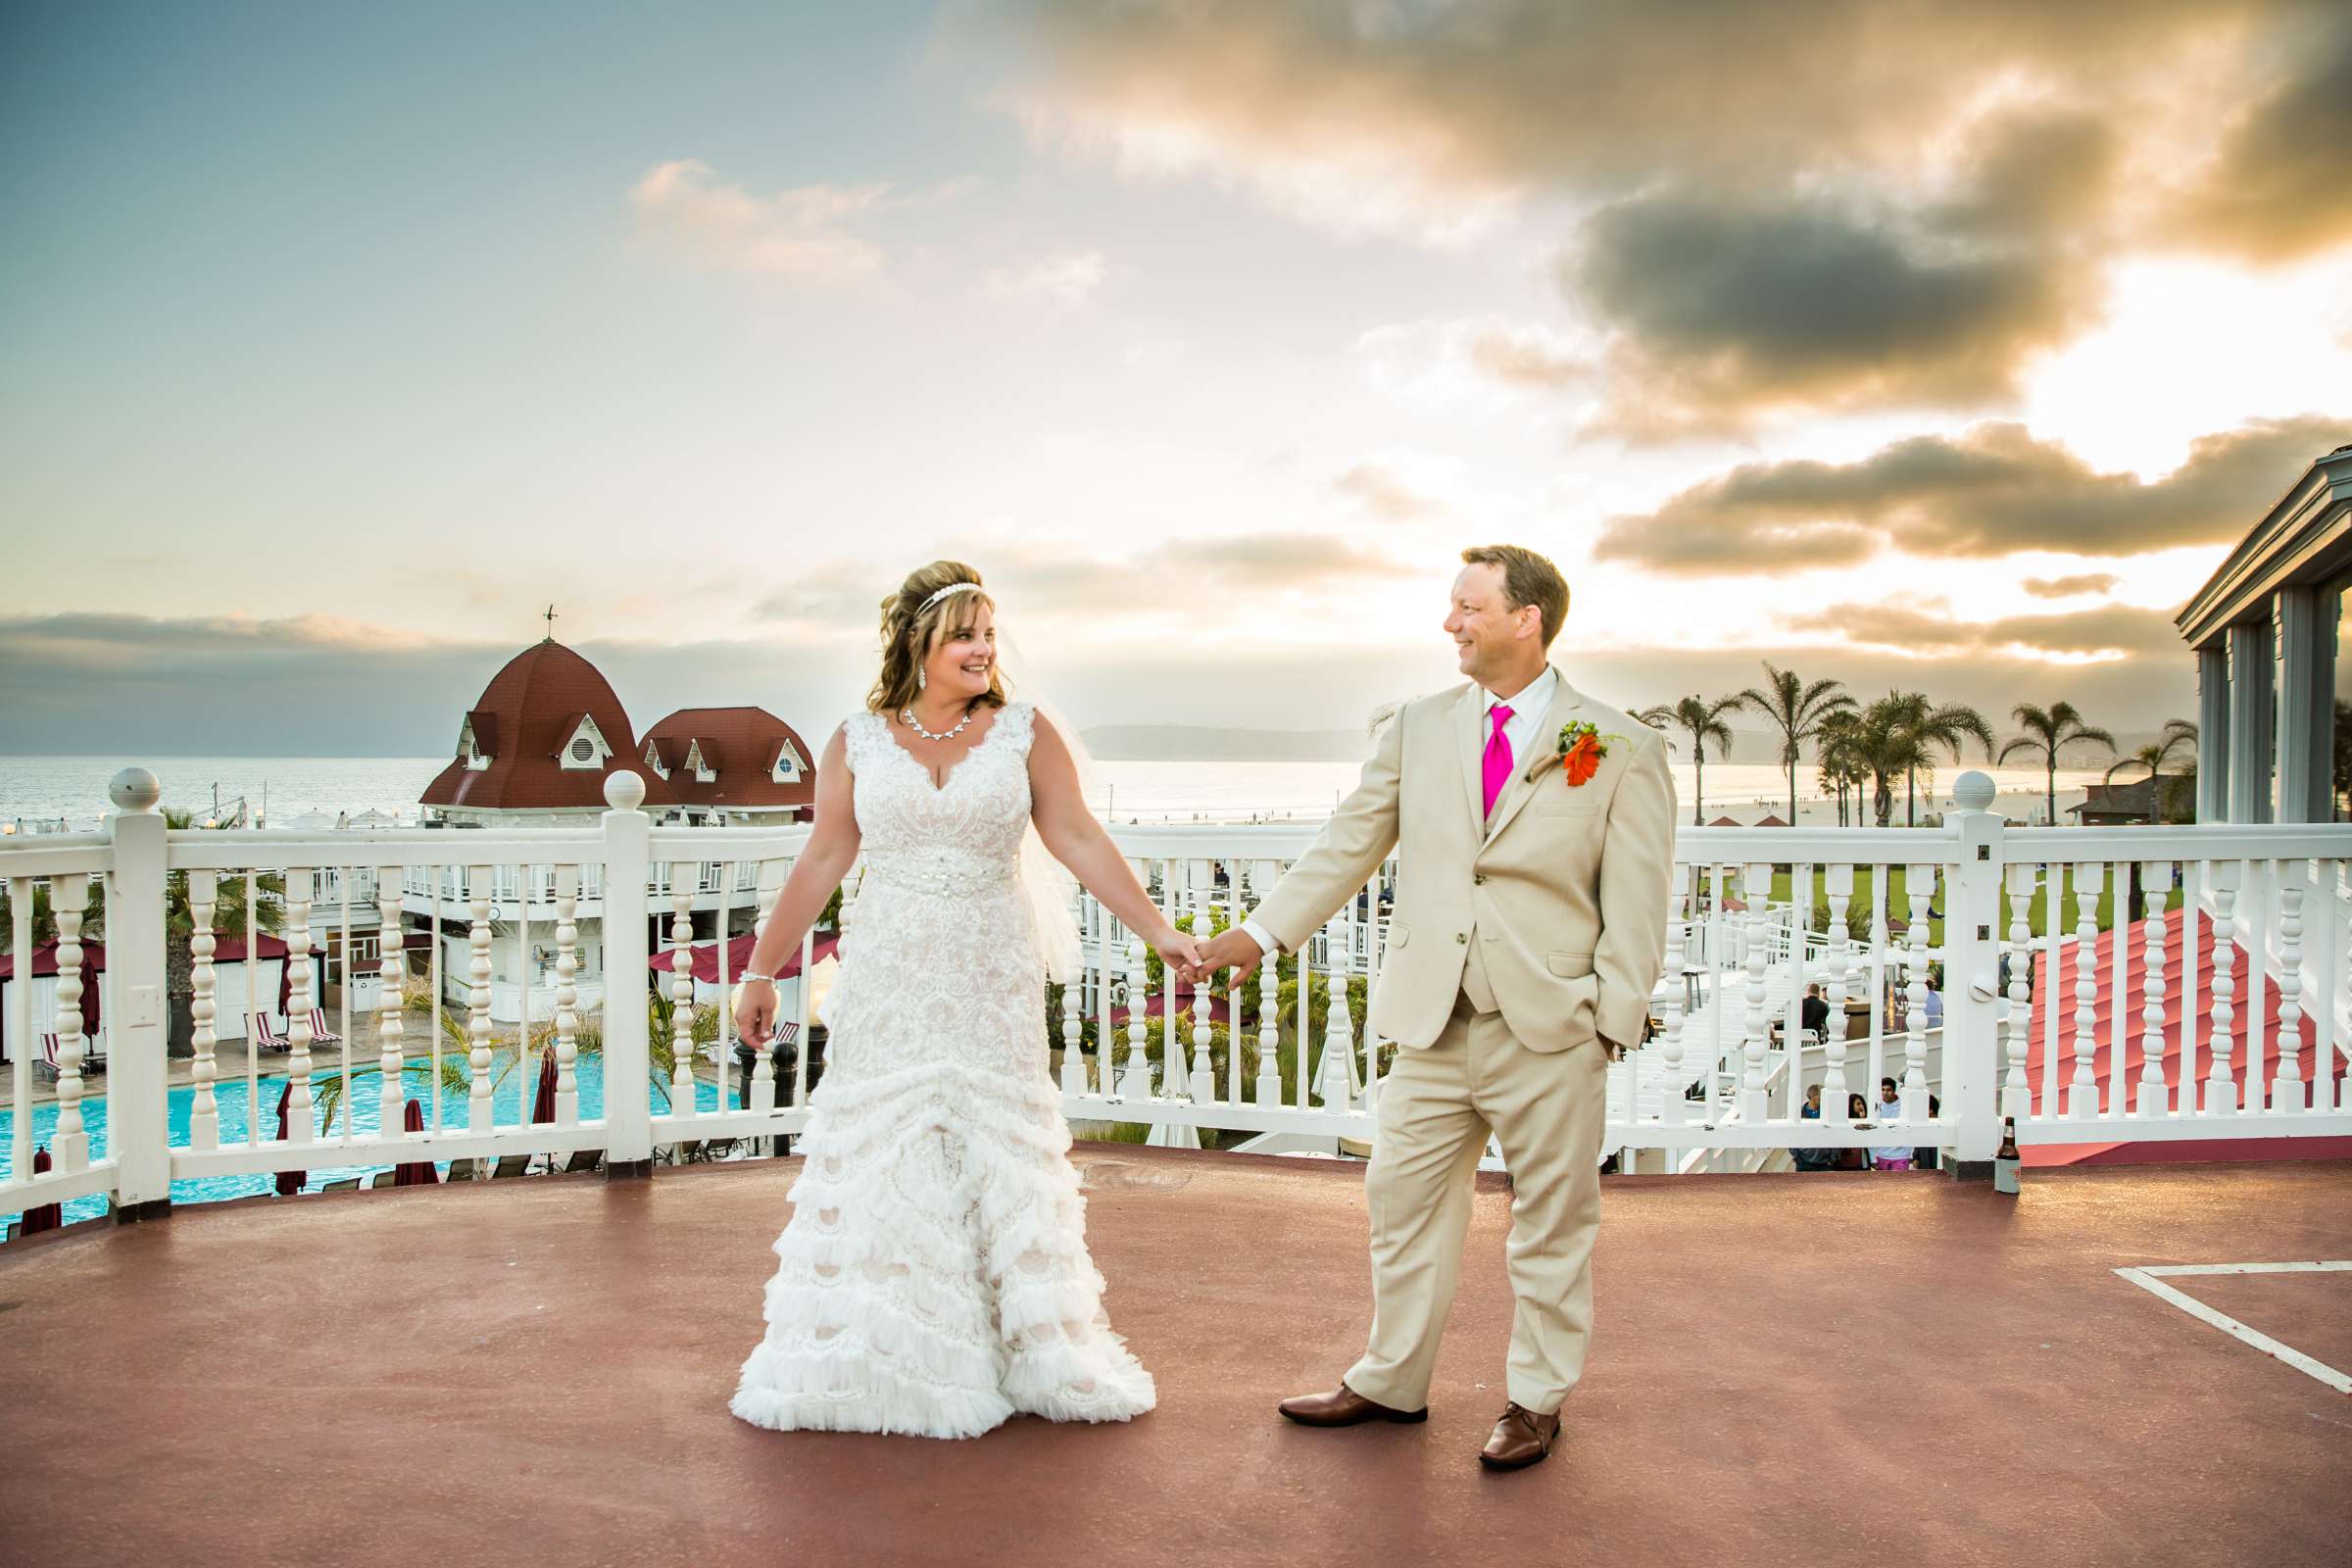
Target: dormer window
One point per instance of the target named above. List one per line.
(789, 766)
(586, 749)
(703, 771)
(471, 750)
(653, 759)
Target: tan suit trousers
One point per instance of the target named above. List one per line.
(1436, 1107)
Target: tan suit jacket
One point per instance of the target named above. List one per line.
(1563, 889)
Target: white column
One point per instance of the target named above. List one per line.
(628, 983)
(69, 899)
(204, 1011)
(2221, 1086)
(2251, 705)
(1756, 884)
(299, 882)
(1671, 1104)
(2287, 1092)
(2156, 884)
(139, 1078)
(1971, 1035)
(2082, 1089)
(479, 883)
(2306, 635)
(391, 972)
(2213, 734)
(567, 996)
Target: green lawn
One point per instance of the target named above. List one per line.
(1898, 900)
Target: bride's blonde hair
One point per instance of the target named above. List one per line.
(912, 627)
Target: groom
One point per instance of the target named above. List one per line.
(1530, 925)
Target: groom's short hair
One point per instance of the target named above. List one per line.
(1528, 579)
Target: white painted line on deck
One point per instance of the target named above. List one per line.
(2147, 1280)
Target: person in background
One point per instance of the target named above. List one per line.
(1813, 1158)
(1934, 1004)
(1889, 1157)
(1857, 1109)
(1929, 1156)
(1814, 1016)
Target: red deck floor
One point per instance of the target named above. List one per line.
(1787, 1370)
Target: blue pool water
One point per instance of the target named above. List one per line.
(507, 1108)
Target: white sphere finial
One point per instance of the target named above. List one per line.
(135, 789)
(1973, 791)
(624, 791)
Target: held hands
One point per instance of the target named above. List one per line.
(755, 1011)
(1181, 954)
(1234, 948)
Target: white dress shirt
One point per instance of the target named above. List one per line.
(1528, 707)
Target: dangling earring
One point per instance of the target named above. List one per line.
(922, 679)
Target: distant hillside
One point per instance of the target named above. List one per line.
(1186, 743)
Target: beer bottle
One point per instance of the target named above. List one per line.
(2005, 1160)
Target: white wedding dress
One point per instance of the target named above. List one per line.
(934, 1277)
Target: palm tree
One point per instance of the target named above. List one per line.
(1842, 766)
(1703, 719)
(1798, 710)
(228, 920)
(2154, 757)
(2048, 732)
(1917, 729)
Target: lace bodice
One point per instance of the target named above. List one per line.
(958, 837)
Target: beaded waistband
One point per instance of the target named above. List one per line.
(950, 872)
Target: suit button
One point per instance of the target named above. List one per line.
(1463, 937)
(1479, 879)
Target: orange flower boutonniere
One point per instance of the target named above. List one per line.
(1580, 749)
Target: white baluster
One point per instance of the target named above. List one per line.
(1338, 1085)
(2082, 1089)
(2156, 886)
(1137, 1083)
(479, 883)
(68, 898)
(391, 969)
(204, 1009)
(1756, 885)
(1204, 1042)
(1270, 1030)
(299, 1128)
(2287, 1092)
(1073, 1004)
(764, 1062)
(1838, 880)
(2220, 1085)
(567, 996)
(1678, 934)
(683, 878)
(1919, 888)
(2017, 1088)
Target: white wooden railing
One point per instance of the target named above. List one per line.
(2169, 1061)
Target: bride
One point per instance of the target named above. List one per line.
(934, 1277)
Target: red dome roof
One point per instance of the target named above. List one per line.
(742, 747)
(531, 718)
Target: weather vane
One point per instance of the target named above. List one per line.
(551, 624)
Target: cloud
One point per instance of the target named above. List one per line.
(1383, 494)
(795, 234)
(1435, 119)
(2113, 630)
(2086, 582)
(1990, 491)
(1725, 306)
(1066, 279)
(2276, 190)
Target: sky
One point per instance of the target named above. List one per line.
(1939, 346)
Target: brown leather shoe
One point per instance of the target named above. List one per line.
(1521, 1437)
(1343, 1407)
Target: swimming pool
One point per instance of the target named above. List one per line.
(507, 1108)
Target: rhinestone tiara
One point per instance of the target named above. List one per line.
(951, 588)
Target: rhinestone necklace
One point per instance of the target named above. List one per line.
(906, 717)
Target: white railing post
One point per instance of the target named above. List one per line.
(139, 1074)
(2156, 886)
(2017, 1090)
(567, 996)
(2287, 1087)
(1137, 1084)
(1755, 887)
(204, 1011)
(480, 1112)
(301, 1125)
(1338, 1086)
(1971, 990)
(1837, 881)
(1911, 1079)
(2082, 1089)
(68, 900)
(1269, 1028)
(763, 1055)
(391, 1000)
(682, 881)
(2220, 1084)
(628, 982)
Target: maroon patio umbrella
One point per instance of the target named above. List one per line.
(289, 1182)
(543, 1104)
(47, 1216)
(413, 1172)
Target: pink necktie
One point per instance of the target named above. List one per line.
(1499, 757)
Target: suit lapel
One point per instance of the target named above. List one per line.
(1565, 701)
(1469, 717)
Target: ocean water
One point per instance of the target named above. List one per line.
(38, 789)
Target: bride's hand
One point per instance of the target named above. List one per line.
(1179, 954)
(755, 1011)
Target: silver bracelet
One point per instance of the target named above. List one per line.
(754, 974)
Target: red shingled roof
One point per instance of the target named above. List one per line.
(526, 717)
(738, 744)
